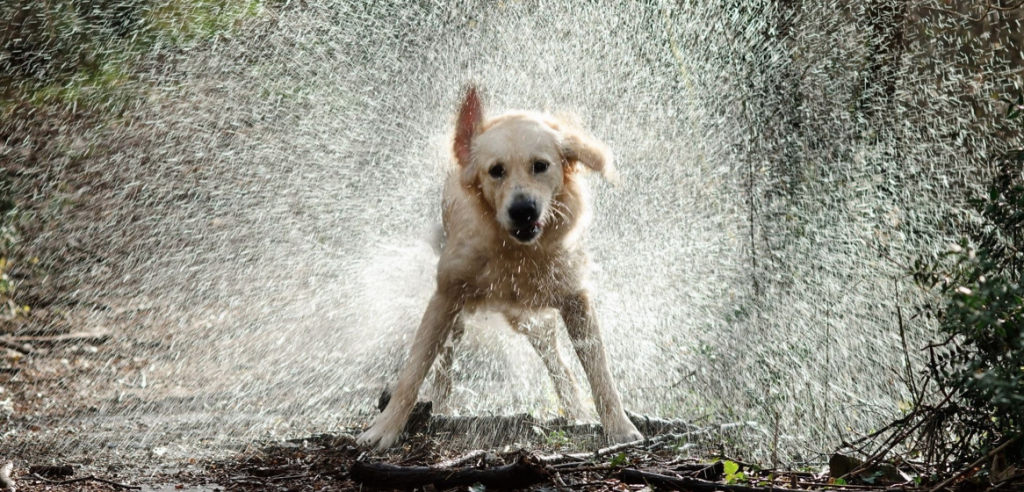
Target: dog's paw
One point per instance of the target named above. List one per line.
(379, 436)
(623, 437)
(622, 433)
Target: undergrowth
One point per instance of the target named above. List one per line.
(83, 53)
(979, 362)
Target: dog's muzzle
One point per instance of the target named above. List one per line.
(526, 234)
(525, 217)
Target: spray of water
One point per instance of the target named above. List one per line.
(274, 189)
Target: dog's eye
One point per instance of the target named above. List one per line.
(539, 167)
(497, 171)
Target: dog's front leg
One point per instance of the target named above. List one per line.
(582, 326)
(443, 373)
(437, 323)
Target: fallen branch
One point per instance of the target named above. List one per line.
(1006, 481)
(17, 347)
(632, 476)
(706, 471)
(893, 440)
(977, 463)
(86, 479)
(576, 468)
(498, 425)
(525, 472)
(563, 458)
(473, 455)
(98, 336)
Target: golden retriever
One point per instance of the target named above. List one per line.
(513, 214)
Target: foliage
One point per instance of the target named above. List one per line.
(620, 460)
(8, 238)
(732, 472)
(558, 439)
(981, 313)
(83, 51)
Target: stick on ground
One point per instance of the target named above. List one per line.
(17, 347)
(523, 473)
(87, 479)
(979, 462)
(462, 460)
(689, 484)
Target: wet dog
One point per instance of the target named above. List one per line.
(513, 213)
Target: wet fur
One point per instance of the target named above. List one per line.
(483, 267)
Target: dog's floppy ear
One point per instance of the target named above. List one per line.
(468, 126)
(588, 151)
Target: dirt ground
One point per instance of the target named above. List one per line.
(65, 422)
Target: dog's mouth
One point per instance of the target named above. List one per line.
(526, 233)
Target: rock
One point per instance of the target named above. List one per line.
(839, 465)
(6, 482)
(877, 474)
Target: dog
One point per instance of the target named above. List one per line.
(513, 213)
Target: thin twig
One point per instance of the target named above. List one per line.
(660, 481)
(904, 420)
(86, 479)
(1008, 8)
(903, 338)
(978, 462)
(892, 441)
(988, 8)
(17, 347)
(562, 458)
(472, 455)
(849, 486)
(581, 469)
(939, 344)
(1007, 481)
(589, 484)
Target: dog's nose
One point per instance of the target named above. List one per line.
(523, 211)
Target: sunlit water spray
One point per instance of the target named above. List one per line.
(279, 187)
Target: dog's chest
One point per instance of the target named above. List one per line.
(527, 281)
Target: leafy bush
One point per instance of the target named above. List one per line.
(75, 50)
(7, 241)
(981, 314)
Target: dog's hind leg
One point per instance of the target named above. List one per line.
(540, 330)
(437, 322)
(581, 324)
(443, 373)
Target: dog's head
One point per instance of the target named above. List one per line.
(519, 163)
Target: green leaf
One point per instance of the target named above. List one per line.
(840, 481)
(619, 460)
(730, 467)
